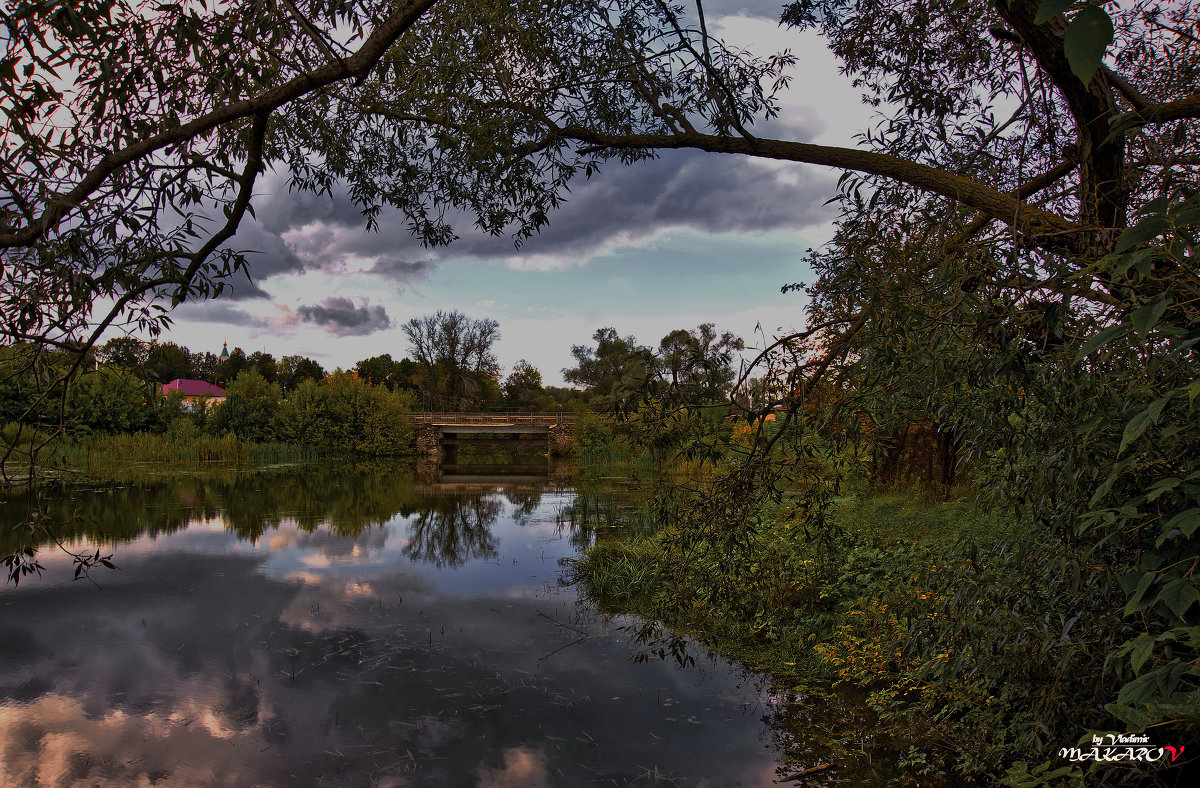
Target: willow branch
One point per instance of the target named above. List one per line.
(1131, 94)
(357, 65)
(254, 165)
(312, 32)
(837, 348)
(1025, 190)
(1165, 112)
(1043, 227)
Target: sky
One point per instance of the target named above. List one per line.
(687, 238)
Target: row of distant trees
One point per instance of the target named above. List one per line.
(451, 365)
(362, 410)
(339, 412)
(162, 362)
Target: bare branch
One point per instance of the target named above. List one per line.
(1042, 227)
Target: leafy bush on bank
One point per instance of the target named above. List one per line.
(981, 647)
(346, 415)
(341, 414)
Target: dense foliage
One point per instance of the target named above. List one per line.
(341, 413)
(694, 368)
(523, 389)
(1065, 373)
(346, 415)
(1049, 365)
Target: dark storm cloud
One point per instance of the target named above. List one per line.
(266, 252)
(705, 192)
(343, 317)
(244, 289)
(267, 255)
(277, 211)
(700, 191)
(689, 189)
(219, 312)
(281, 208)
(401, 270)
(294, 232)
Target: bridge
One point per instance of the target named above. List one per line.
(539, 421)
(440, 434)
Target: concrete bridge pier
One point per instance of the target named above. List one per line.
(438, 436)
(428, 440)
(562, 440)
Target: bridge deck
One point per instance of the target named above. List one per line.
(493, 419)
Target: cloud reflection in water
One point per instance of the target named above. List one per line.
(397, 639)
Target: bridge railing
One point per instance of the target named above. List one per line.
(531, 419)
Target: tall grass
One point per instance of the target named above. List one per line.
(618, 573)
(600, 455)
(116, 456)
(278, 453)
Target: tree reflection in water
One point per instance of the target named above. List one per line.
(524, 500)
(453, 530)
(301, 652)
(449, 524)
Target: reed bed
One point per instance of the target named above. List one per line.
(113, 456)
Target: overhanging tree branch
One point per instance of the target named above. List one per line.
(1182, 109)
(356, 65)
(1042, 227)
(1024, 191)
(254, 165)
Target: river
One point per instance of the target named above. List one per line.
(347, 626)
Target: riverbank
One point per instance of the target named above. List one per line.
(185, 447)
(141, 456)
(943, 618)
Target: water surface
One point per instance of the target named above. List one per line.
(345, 627)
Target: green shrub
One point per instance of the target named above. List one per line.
(591, 433)
(346, 415)
(249, 407)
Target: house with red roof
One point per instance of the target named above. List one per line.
(195, 391)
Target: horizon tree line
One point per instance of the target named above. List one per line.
(452, 365)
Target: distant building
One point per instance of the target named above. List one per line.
(194, 391)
